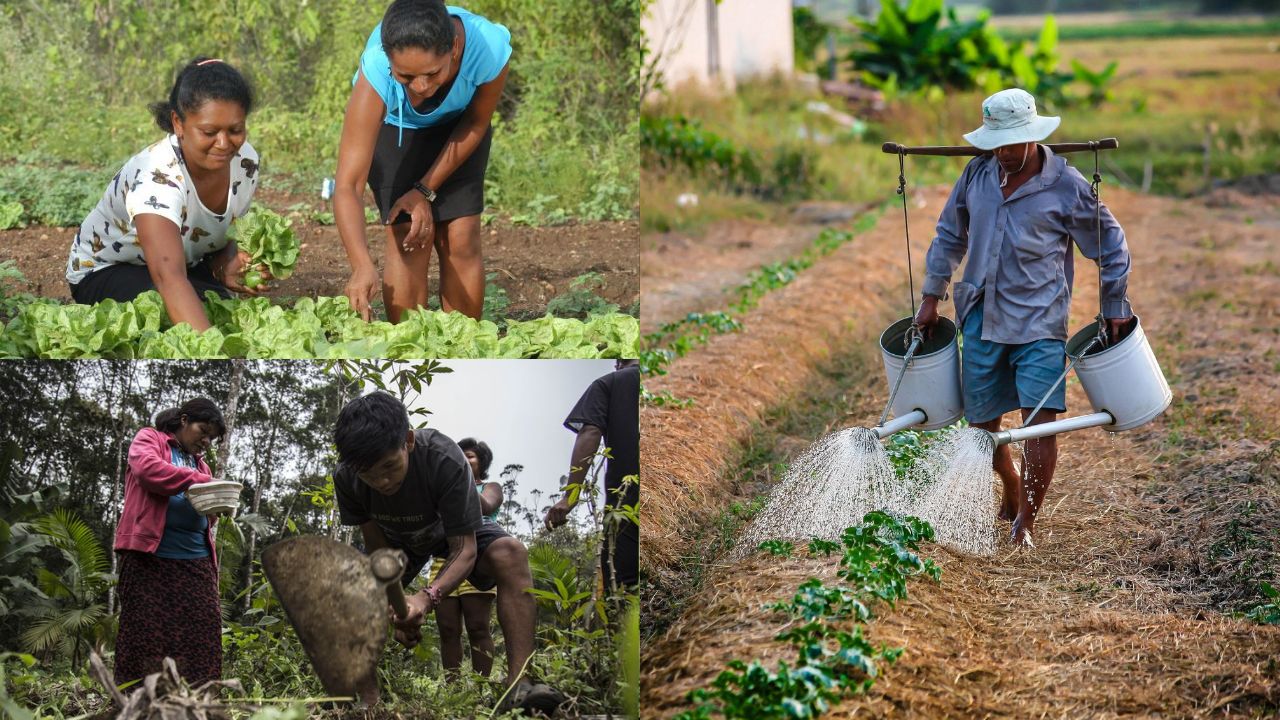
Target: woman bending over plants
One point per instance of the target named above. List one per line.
(162, 222)
(417, 132)
(168, 570)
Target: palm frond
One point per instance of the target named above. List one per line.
(43, 634)
(76, 539)
(77, 620)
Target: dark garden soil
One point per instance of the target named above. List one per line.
(533, 264)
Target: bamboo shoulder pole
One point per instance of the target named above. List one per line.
(893, 148)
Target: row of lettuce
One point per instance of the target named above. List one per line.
(324, 327)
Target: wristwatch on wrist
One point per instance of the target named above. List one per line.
(427, 192)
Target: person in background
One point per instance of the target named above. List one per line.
(610, 411)
(417, 131)
(468, 604)
(162, 222)
(168, 590)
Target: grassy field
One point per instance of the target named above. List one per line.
(1172, 97)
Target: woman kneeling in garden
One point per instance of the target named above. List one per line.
(417, 131)
(168, 570)
(162, 222)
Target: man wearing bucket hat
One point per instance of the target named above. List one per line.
(1016, 213)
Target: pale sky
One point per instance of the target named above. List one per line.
(518, 407)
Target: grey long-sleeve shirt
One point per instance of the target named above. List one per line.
(1020, 261)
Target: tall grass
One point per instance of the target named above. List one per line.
(1155, 29)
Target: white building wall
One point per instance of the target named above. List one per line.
(753, 37)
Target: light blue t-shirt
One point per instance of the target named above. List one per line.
(185, 530)
(487, 49)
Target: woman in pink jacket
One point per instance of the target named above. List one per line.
(168, 571)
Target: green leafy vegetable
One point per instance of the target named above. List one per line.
(11, 215)
(324, 327)
(270, 242)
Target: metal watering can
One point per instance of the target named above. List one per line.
(1124, 384)
(924, 375)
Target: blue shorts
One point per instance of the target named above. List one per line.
(998, 377)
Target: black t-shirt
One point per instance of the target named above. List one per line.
(612, 403)
(437, 499)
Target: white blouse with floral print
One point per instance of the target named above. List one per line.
(156, 181)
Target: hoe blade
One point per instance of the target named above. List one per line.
(337, 608)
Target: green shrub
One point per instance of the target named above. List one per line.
(581, 301)
(57, 196)
(677, 141)
(913, 50)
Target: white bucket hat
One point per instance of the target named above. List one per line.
(1009, 118)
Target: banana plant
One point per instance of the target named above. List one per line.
(1098, 82)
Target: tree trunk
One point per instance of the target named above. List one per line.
(233, 401)
(264, 479)
(121, 428)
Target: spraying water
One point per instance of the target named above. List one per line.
(953, 489)
(842, 477)
(847, 474)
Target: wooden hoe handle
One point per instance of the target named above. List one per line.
(388, 566)
(893, 148)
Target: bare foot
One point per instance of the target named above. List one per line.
(1021, 534)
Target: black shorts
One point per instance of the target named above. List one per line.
(489, 531)
(398, 163)
(126, 281)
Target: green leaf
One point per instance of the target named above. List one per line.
(269, 240)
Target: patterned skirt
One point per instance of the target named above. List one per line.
(168, 607)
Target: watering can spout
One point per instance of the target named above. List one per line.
(1032, 432)
(900, 423)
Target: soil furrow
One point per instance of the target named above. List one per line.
(1150, 541)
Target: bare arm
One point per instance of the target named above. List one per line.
(490, 498)
(584, 451)
(373, 537)
(360, 126)
(458, 564)
(166, 262)
(468, 133)
(463, 141)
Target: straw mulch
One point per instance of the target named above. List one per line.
(1148, 541)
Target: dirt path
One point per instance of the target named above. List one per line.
(533, 264)
(682, 273)
(1148, 540)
